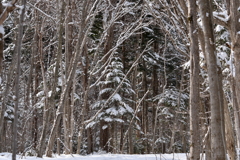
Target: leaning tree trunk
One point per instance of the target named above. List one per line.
(217, 138)
(194, 82)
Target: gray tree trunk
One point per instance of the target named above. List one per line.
(230, 141)
(194, 82)
(18, 50)
(235, 48)
(217, 125)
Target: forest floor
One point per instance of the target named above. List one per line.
(177, 156)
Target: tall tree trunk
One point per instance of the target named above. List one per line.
(217, 136)
(235, 42)
(69, 106)
(85, 101)
(1, 45)
(194, 82)
(236, 112)
(3, 107)
(18, 50)
(46, 108)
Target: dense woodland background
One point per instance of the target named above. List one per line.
(120, 76)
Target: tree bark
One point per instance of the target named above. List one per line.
(18, 50)
(230, 141)
(194, 82)
(3, 16)
(235, 42)
(217, 136)
(236, 111)
(46, 108)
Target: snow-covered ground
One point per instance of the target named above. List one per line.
(179, 156)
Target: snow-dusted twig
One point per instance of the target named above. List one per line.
(45, 14)
(135, 113)
(65, 146)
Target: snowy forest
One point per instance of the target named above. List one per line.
(120, 76)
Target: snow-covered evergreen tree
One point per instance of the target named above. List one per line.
(115, 104)
(118, 108)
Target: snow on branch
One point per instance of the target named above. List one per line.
(221, 18)
(45, 14)
(9, 8)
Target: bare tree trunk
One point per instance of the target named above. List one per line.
(194, 82)
(217, 136)
(90, 141)
(69, 106)
(85, 101)
(59, 140)
(236, 112)
(1, 44)
(235, 41)
(3, 14)
(3, 107)
(230, 141)
(18, 50)
(46, 112)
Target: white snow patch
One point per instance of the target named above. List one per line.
(117, 79)
(219, 28)
(112, 111)
(7, 4)
(5, 114)
(127, 4)
(222, 55)
(186, 65)
(2, 29)
(39, 94)
(108, 119)
(104, 127)
(102, 156)
(91, 124)
(222, 15)
(231, 65)
(117, 97)
(60, 82)
(49, 93)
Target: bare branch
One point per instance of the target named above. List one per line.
(45, 14)
(6, 12)
(221, 19)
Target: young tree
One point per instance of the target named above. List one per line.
(117, 110)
